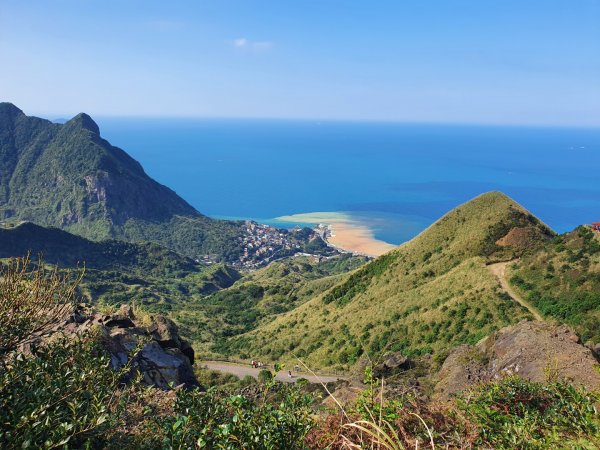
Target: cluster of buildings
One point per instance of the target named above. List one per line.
(263, 243)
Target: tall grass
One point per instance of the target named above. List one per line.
(31, 299)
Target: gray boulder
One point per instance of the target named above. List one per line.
(156, 352)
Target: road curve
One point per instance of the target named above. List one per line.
(241, 370)
(499, 270)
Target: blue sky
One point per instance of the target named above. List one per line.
(480, 61)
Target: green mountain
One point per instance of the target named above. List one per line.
(429, 295)
(67, 176)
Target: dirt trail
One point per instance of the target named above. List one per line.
(499, 270)
(241, 371)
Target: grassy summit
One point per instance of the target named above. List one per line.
(428, 295)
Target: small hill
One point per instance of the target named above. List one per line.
(429, 295)
(67, 176)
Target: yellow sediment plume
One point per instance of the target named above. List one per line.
(346, 233)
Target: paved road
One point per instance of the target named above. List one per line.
(241, 371)
(499, 270)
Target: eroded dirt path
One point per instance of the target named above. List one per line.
(241, 371)
(499, 270)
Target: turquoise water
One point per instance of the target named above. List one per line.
(397, 178)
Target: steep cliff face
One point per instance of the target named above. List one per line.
(68, 176)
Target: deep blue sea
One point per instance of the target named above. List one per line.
(397, 178)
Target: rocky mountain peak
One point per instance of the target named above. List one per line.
(84, 121)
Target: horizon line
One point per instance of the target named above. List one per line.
(319, 120)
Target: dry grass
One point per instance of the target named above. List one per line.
(31, 299)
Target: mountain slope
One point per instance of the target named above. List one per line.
(259, 297)
(67, 176)
(68, 250)
(120, 272)
(429, 295)
(562, 280)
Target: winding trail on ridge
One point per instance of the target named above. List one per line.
(499, 271)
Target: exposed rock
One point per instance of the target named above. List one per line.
(164, 368)
(536, 351)
(522, 237)
(345, 393)
(393, 364)
(165, 332)
(120, 322)
(162, 357)
(126, 311)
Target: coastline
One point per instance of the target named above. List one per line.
(339, 230)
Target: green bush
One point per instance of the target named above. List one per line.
(265, 376)
(516, 413)
(65, 396)
(213, 421)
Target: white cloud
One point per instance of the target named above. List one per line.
(256, 46)
(241, 42)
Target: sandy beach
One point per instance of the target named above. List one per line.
(346, 233)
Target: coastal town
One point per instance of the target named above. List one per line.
(263, 244)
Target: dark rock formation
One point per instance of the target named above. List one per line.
(537, 351)
(393, 364)
(157, 352)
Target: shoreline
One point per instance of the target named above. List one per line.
(343, 233)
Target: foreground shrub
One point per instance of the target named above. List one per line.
(507, 414)
(515, 413)
(65, 396)
(215, 421)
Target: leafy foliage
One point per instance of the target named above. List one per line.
(515, 413)
(505, 414)
(64, 396)
(212, 420)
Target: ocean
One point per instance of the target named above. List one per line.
(394, 178)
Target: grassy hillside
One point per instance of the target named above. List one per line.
(258, 298)
(67, 176)
(430, 294)
(562, 281)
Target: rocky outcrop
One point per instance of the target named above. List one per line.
(392, 364)
(537, 351)
(156, 351)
